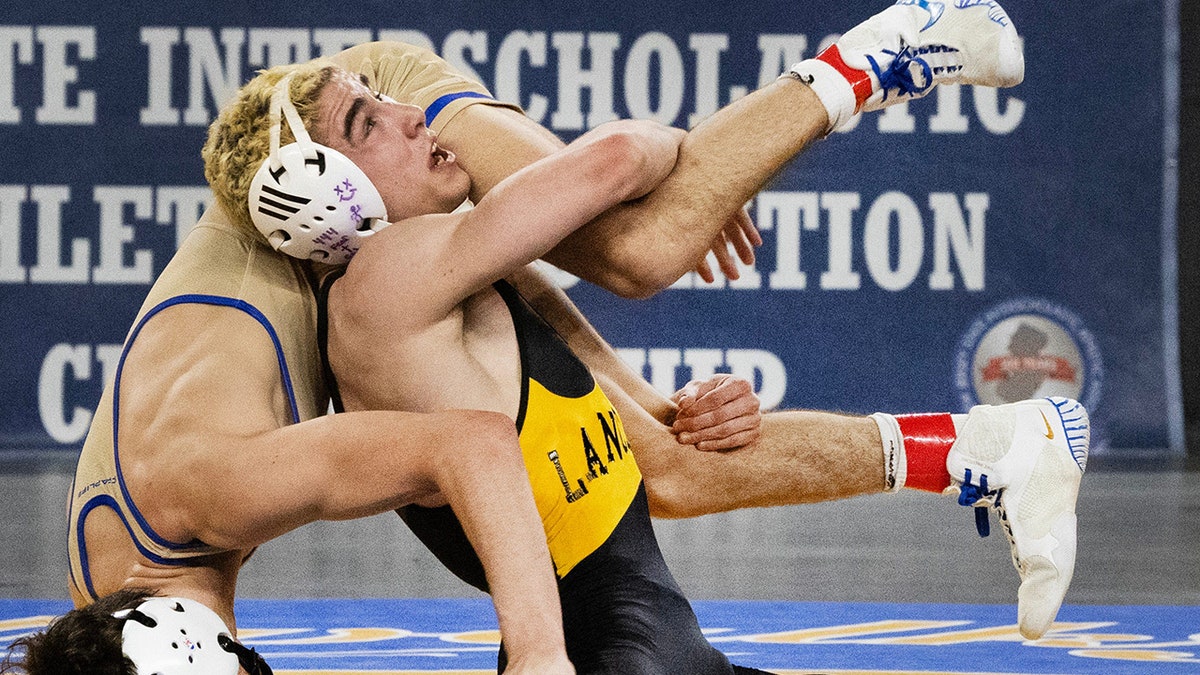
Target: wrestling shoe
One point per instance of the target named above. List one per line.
(902, 52)
(1024, 461)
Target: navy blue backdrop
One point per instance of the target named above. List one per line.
(979, 245)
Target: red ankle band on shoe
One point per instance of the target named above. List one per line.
(859, 80)
(927, 440)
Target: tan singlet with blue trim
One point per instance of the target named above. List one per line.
(218, 264)
(221, 264)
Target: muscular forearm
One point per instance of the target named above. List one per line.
(637, 249)
(489, 492)
(636, 154)
(640, 248)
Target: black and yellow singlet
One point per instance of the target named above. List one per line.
(622, 610)
(583, 474)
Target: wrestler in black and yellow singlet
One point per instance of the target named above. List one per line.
(622, 610)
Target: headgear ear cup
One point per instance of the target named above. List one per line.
(176, 636)
(309, 200)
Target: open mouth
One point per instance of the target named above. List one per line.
(439, 156)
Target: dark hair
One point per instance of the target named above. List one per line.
(84, 641)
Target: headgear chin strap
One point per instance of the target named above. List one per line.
(311, 201)
(176, 636)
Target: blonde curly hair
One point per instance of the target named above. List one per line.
(240, 138)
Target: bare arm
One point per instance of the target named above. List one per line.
(207, 456)
(721, 413)
(640, 248)
(448, 258)
(798, 457)
(359, 464)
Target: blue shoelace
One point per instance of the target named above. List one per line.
(897, 77)
(969, 494)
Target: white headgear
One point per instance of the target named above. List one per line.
(311, 201)
(176, 636)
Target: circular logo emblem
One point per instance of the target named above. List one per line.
(1024, 349)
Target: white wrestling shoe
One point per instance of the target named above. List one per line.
(902, 52)
(1025, 460)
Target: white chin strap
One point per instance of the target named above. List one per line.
(311, 201)
(176, 636)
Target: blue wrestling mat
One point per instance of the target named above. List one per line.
(403, 637)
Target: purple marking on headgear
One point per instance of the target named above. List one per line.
(346, 193)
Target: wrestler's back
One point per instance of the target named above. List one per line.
(200, 364)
